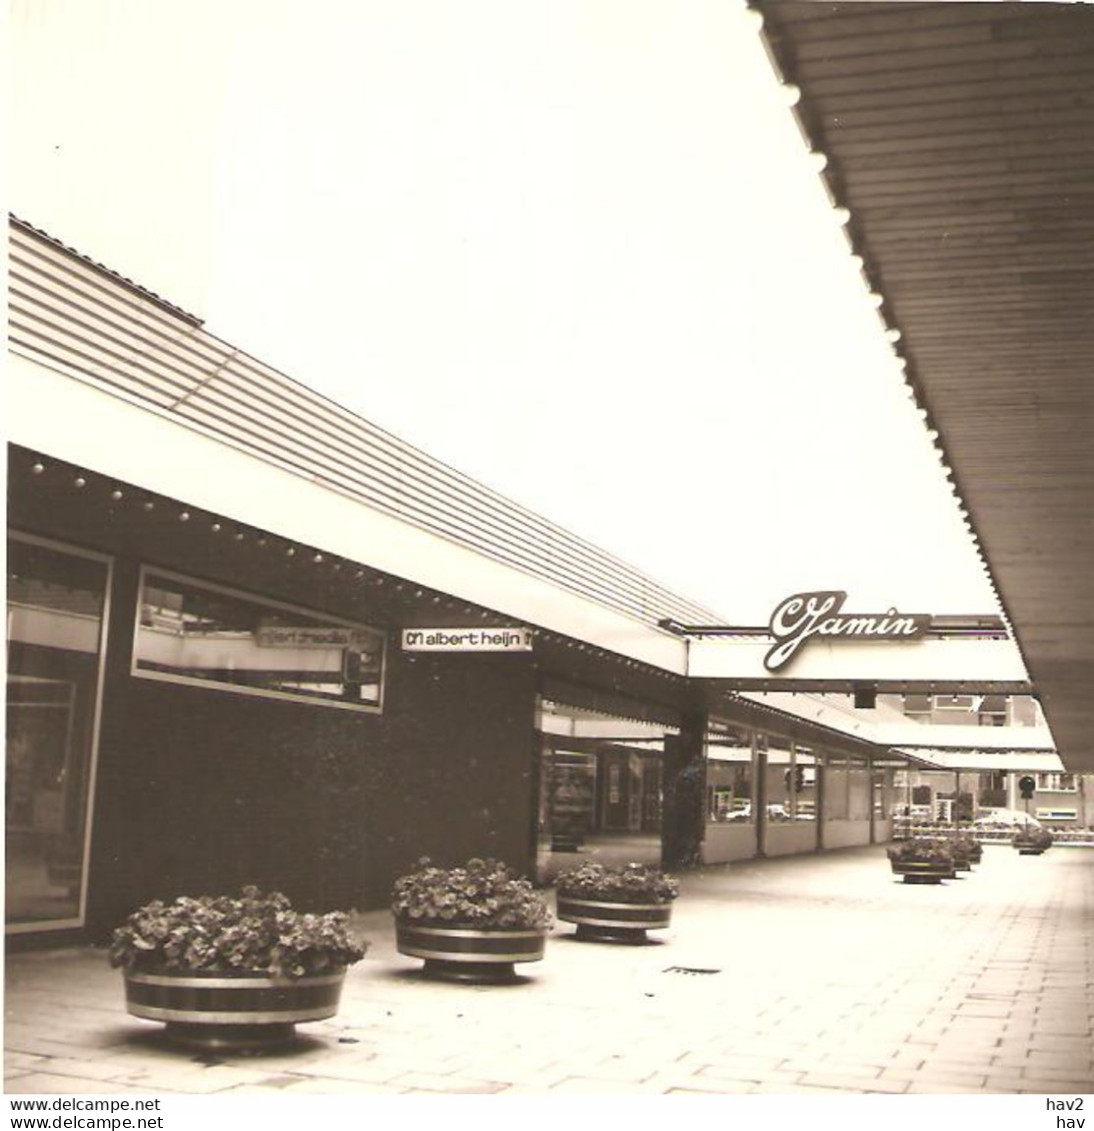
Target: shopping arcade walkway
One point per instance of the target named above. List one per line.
(833, 978)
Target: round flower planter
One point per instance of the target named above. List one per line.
(465, 954)
(219, 1010)
(922, 871)
(602, 921)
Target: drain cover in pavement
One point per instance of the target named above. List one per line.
(690, 970)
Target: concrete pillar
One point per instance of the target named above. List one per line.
(871, 777)
(792, 782)
(759, 759)
(684, 820)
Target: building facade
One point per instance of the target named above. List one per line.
(253, 639)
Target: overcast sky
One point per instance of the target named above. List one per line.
(575, 248)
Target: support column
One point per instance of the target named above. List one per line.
(759, 812)
(820, 791)
(792, 783)
(871, 777)
(683, 821)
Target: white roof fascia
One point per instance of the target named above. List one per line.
(72, 420)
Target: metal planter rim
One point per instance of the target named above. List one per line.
(584, 901)
(471, 933)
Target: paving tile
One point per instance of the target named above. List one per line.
(321, 1086)
(1049, 1087)
(938, 1088)
(970, 1078)
(449, 1085)
(848, 1083)
(1063, 1061)
(588, 1085)
(44, 1083)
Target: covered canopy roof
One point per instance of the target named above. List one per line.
(960, 137)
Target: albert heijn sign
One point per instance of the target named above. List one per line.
(805, 616)
(493, 639)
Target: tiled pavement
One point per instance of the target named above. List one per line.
(833, 977)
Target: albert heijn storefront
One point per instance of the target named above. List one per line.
(252, 639)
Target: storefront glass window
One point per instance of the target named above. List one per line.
(1056, 783)
(883, 793)
(196, 633)
(55, 613)
(859, 790)
(804, 785)
(600, 788)
(729, 776)
(835, 789)
(780, 792)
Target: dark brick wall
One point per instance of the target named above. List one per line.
(201, 790)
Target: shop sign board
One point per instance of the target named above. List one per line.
(314, 636)
(493, 639)
(807, 615)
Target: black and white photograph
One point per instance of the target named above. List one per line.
(549, 554)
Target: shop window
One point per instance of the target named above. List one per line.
(1057, 783)
(56, 614)
(205, 635)
(836, 787)
(780, 781)
(884, 786)
(859, 799)
(804, 793)
(600, 787)
(918, 706)
(729, 776)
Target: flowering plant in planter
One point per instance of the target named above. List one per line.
(470, 923)
(626, 883)
(922, 850)
(257, 933)
(1033, 837)
(233, 973)
(965, 846)
(615, 903)
(481, 893)
(923, 860)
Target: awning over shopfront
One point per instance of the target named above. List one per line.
(959, 138)
(983, 760)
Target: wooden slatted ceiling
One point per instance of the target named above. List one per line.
(961, 138)
(73, 314)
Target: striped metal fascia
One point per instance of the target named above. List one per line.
(66, 312)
